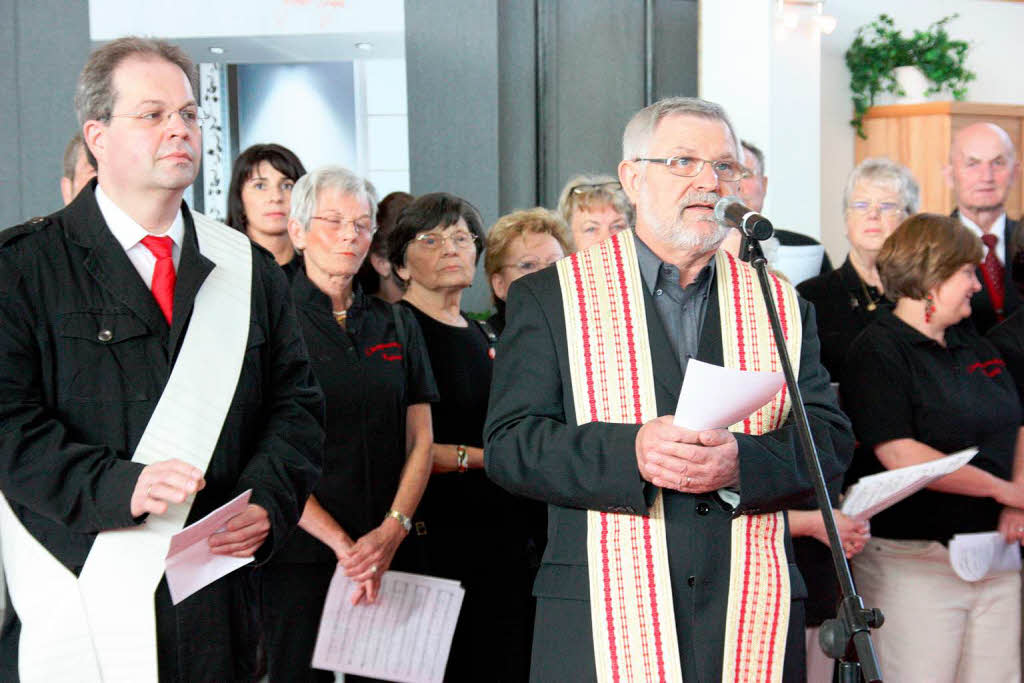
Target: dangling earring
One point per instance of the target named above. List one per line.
(929, 308)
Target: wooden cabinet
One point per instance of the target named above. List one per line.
(919, 135)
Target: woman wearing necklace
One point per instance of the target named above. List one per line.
(371, 362)
(879, 195)
(476, 532)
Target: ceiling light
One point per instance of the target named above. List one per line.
(364, 46)
(217, 50)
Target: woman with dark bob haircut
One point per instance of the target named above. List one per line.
(476, 532)
(918, 385)
(259, 199)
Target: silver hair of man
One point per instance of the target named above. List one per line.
(640, 128)
(307, 191)
(886, 172)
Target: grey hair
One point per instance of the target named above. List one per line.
(307, 191)
(95, 95)
(71, 155)
(641, 127)
(883, 171)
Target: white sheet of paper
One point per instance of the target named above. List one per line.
(713, 397)
(405, 636)
(190, 565)
(975, 556)
(876, 492)
(799, 263)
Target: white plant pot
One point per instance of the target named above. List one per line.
(914, 84)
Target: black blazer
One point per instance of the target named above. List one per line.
(982, 312)
(535, 448)
(74, 402)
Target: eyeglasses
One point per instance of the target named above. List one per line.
(192, 116)
(584, 188)
(459, 239)
(884, 208)
(529, 265)
(363, 225)
(688, 167)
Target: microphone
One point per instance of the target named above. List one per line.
(730, 211)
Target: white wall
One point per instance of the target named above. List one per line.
(768, 79)
(109, 19)
(995, 31)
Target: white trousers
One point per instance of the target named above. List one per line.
(938, 627)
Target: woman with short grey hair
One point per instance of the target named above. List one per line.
(879, 195)
(371, 361)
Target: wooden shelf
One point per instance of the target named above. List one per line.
(919, 136)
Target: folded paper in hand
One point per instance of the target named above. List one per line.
(190, 565)
(714, 397)
(975, 556)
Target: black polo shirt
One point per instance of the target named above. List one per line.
(369, 376)
(897, 384)
(842, 303)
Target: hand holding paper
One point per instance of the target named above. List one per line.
(191, 564)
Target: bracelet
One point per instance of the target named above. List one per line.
(462, 463)
(402, 519)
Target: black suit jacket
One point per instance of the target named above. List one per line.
(74, 404)
(983, 314)
(535, 448)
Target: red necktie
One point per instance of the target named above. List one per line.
(163, 274)
(994, 274)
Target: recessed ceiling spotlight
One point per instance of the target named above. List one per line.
(364, 46)
(217, 50)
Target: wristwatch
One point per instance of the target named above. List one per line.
(402, 519)
(463, 458)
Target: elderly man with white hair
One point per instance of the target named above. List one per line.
(667, 546)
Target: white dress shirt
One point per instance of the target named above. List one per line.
(129, 234)
(998, 229)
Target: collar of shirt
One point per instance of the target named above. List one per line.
(652, 267)
(129, 234)
(955, 335)
(998, 229)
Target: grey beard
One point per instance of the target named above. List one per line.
(678, 235)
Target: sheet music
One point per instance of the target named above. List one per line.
(874, 493)
(975, 556)
(405, 636)
(713, 397)
(190, 565)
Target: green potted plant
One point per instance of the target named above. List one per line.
(879, 49)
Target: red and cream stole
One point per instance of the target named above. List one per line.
(633, 621)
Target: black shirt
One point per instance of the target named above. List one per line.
(370, 375)
(900, 384)
(842, 302)
(475, 528)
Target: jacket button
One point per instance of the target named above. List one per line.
(105, 335)
(691, 581)
(703, 508)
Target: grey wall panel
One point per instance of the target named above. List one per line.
(517, 97)
(675, 48)
(451, 49)
(52, 45)
(10, 140)
(594, 82)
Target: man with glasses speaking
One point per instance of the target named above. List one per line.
(151, 370)
(666, 545)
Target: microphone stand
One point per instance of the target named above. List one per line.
(847, 638)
